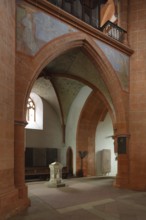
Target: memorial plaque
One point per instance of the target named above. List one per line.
(122, 145)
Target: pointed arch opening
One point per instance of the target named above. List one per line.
(69, 161)
(30, 72)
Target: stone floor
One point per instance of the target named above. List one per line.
(84, 198)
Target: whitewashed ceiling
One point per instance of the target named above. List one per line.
(62, 79)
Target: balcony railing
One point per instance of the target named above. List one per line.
(114, 31)
(88, 12)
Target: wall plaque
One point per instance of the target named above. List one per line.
(122, 145)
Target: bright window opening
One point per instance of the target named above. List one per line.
(30, 113)
(34, 112)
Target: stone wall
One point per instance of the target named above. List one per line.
(8, 191)
(7, 73)
(137, 111)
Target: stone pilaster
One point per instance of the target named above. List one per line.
(19, 161)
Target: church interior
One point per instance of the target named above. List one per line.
(72, 91)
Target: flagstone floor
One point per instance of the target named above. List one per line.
(84, 199)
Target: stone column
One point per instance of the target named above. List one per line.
(123, 18)
(137, 97)
(19, 162)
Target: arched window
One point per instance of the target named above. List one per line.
(30, 114)
(34, 112)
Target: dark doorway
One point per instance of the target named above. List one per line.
(69, 158)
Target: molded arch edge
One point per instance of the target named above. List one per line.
(93, 112)
(31, 68)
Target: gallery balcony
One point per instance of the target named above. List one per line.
(88, 11)
(83, 15)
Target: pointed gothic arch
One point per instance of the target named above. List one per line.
(56, 48)
(93, 112)
(30, 68)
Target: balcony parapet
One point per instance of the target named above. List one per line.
(114, 31)
(105, 34)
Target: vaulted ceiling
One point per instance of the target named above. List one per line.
(62, 79)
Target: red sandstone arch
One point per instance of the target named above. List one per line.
(27, 70)
(93, 112)
(30, 67)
